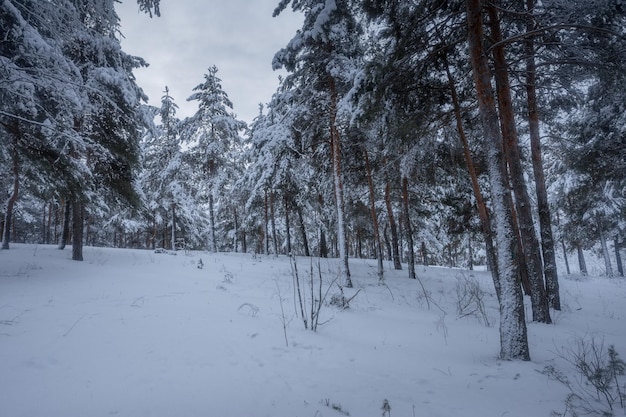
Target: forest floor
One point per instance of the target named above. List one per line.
(137, 333)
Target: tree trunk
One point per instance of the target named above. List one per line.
(387, 242)
(372, 198)
(65, 235)
(408, 228)
(273, 223)
(483, 213)
(424, 254)
(213, 240)
(394, 228)
(8, 216)
(236, 234)
(532, 255)
(78, 215)
(323, 244)
(173, 229)
(618, 257)
(582, 265)
(565, 257)
(543, 207)
(266, 240)
(305, 240)
(335, 144)
(513, 333)
(287, 226)
(605, 251)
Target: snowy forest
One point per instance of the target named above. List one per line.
(451, 133)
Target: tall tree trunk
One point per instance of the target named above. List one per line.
(305, 240)
(8, 216)
(618, 256)
(273, 223)
(65, 235)
(605, 250)
(323, 244)
(236, 234)
(213, 242)
(394, 228)
(78, 216)
(372, 198)
(173, 233)
(483, 213)
(387, 241)
(335, 144)
(44, 222)
(543, 207)
(408, 228)
(565, 257)
(424, 254)
(49, 224)
(287, 225)
(582, 265)
(266, 240)
(513, 333)
(532, 255)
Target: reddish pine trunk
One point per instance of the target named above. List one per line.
(409, 228)
(483, 213)
(513, 334)
(377, 243)
(545, 225)
(532, 255)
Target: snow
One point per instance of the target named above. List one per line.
(137, 333)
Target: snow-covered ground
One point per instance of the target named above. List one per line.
(135, 333)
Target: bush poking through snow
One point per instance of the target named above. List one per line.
(599, 387)
(470, 299)
(337, 407)
(310, 293)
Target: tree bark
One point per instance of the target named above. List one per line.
(266, 240)
(236, 234)
(287, 225)
(605, 250)
(8, 216)
(483, 213)
(273, 223)
(543, 207)
(408, 228)
(335, 144)
(372, 198)
(565, 257)
(323, 244)
(513, 333)
(618, 256)
(305, 240)
(173, 229)
(78, 215)
(213, 239)
(394, 228)
(532, 255)
(582, 265)
(65, 234)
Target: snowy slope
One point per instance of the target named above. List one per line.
(134, 333)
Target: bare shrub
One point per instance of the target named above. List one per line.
(599, 387)
(470, 299)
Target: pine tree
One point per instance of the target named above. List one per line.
(214, 132)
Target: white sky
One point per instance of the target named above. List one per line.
(240, 37)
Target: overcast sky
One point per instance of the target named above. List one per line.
(240, 37)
